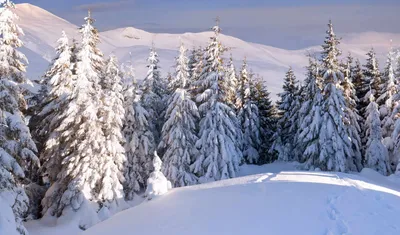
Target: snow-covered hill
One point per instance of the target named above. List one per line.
(271, 199)
(42, 30)
(287, 202)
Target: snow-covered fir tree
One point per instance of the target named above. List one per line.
(266, 110)
(232, 84)
(310, 116)
(220, 155)
(85, 165)
(376, 154)
(154, 93)
(336, 151)
(324, 131)
(112, 117)
(287, 126)
(389, 89)
(372, 75)
(59, 79)
(193, 60)
(351, 117)
(17, 149)
(250, 119)
(140, 144)
(196, 70)
(179, 131)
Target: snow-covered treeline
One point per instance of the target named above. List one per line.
(88, 143)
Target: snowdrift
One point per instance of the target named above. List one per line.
(285, 202)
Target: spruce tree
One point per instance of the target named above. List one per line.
(140, 144)
(232, 85)
(336, 148)
(196, 70)
(376, 156)
(60, 80)
(111, 115)
(193, 60)
(287, 126)
(154, 93)
(85, 164)
(351, 118)
(325, 133)
(17, 149)
(250, 120)
(389, 90)
(179, 130)
(266, 110)
(372, 75)
(219, 156)
(310, 117)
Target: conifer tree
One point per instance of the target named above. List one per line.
(139, 145)
(193, 60)
(196, 70)
(59, 79)
(336, 148)
(111, 115)
(232, 85)
(310, 116)
(288, 105)
(85, 165)
(219, 156)
(250, 120)
(372, 75)
(154, 93)
(387, 97)
(266, 110)
(17, 149)
(179, 130)
(376, 156)
(351, 118)
(325, 133)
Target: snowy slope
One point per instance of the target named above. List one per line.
(42, 30)
(286, 202)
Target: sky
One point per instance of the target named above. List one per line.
(289, 24)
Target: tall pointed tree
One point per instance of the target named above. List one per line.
(111, 115)
(266, 110)
(219, 156)
(336, 148)
(328, 145)
(179, 130)
(85, 164)
(250, 120)
(351, 118)
(60, 80)
(232, 84)
(389, 89)
(154, 92)
(310, 117)
(17, 149)
(288, 105)
(377, 156)
(140, 144)
(372, 75)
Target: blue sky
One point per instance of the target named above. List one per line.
(291, 24)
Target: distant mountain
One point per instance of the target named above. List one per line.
(42, 29)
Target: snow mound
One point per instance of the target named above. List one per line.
(157, 183)
(284, 202)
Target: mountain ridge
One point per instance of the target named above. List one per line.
(43, 28)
